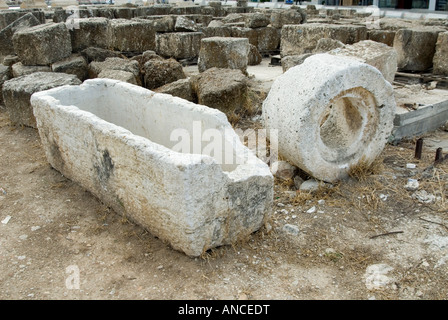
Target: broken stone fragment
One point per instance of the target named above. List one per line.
(132, 66)
(6, 34)
(283, 170)
(75, 64)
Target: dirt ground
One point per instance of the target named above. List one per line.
(57, 241)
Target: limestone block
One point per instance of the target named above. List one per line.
(75, 64)
(383, 36)
(6, 44)
(161, 23)
(9, 16)
(111, 138)
(268, 39)
(18, 69)
(131, 35)
(281, 17)
(181, 88)
(160, 72)
(223, 52)
(183, 24)
(256, 20)
(17, 93)
(327, 44)
(223, 89)
(440, 60)
(33, 4)
(132, 66)
(415, 48)
(248, 33)
(222, 31)
(42, 44)
(92, 32)
(330, 113)
(179, 45)
(299, 39)
(3, 5)
(378, 55)
(63, 3)
(124, 13)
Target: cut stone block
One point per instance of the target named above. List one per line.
(124, 13)
(179, 45)
(216, 31)
(268, 39)
(440, 60)
(280, 17)
(37, 45)
(75, 64)
(161, 23)
(17, 93)
(223, 52)
(248, 33)
(383, 36)
(215, 24)
(99, 54)
(18, 69)
(415, 48)
(181, 88)
(9, 16)
(110, 137)
(223, 89)
(331, 113)
(6, 44)
(327, 44)
(299, 39)
(3, 5)
(132, 35)
(132, 66)
(92, 32)
(9, 60)
(33, 4)
(184, 24)
(378, 55)
(160, 72)
(256, 20)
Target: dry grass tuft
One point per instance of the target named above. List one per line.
(363, 169)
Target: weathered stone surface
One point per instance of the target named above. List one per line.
(331, 113)
(99, 54)
(121, 75)
(378, 55)
(33, 4)
(6, 44)
(160, 72)
(18, 69)
(283, 170)
(223, 89)
(75, 64)
(132, 35)
(268, 39)
(17, 93)
(5, 74)
(132, 66)
(128, 159)
(92, 32)
(383, 36)
(9, 16)
(327, 44)
(440, 59)
(223, 31)
(223, 52)
(36, 45)
(299, 39)
(254, 57)
(415, 48)
(181, 88)
(294, 60)
(161, 23)
(3, 5)
(256, 20)
(281, 17)
(233, 17)
(184, 24)
(124, 13)
(179, 45)
(215, 24)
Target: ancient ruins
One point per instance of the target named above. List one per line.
(117, 80)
